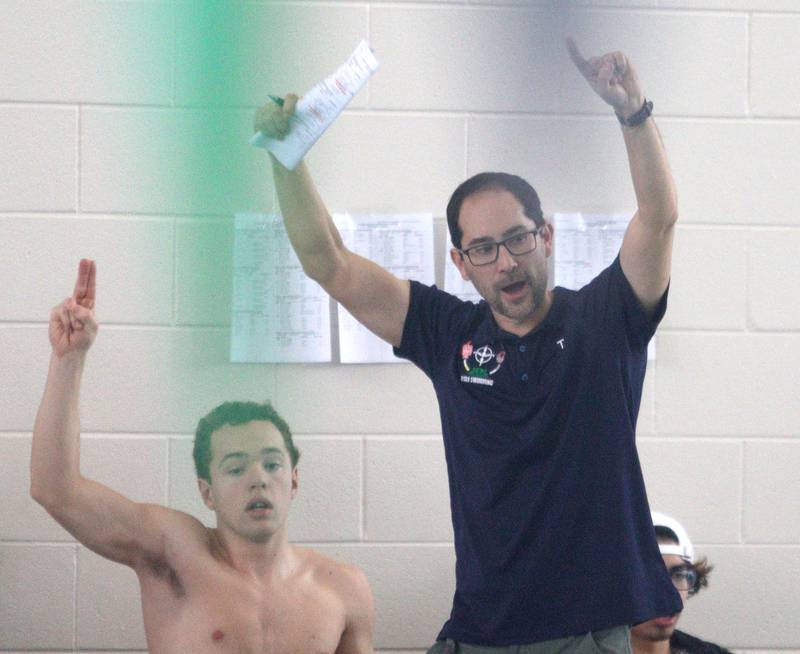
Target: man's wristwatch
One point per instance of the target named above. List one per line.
(639, 117)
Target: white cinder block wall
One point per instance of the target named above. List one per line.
(91, 96)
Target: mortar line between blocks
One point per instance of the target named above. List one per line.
(78, 162)
(174, 317)
(174, 53)
(362, 518)
(742, 471)
(466, 146)
(75, 598)
(748, 320)
(748, 37)
(167, 471)
(368, 30)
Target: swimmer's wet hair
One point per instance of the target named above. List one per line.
(236, 413)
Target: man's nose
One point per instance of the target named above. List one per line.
(505, 260)
(258, 477)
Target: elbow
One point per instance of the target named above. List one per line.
(39, 489)
(662, 217)
(658, 208)
(326, 271)
(50, 496)
(668, 220)
(41, 495)
(316, 272)
(669, 210)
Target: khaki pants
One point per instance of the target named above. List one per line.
(616, 640)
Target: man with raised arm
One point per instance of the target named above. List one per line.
(239, 588)
(538, 390)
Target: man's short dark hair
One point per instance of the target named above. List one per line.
(515, 185)
(702, 567)
(236, 413)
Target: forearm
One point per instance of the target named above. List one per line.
(310, 228)
(55, 450)
(656, 195)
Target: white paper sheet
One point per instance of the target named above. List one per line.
(586, 244)
(279, 314)
(453, 282)
(318, 108)
(400, 243)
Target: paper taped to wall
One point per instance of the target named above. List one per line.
(318, 108)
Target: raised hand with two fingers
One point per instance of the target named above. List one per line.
(73, 326)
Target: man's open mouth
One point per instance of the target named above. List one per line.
(258, 504)
(516, 287)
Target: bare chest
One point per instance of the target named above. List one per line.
(223, 616)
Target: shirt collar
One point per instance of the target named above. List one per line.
(488, 331)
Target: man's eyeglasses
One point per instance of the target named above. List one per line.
(485, 253)
(684, 577)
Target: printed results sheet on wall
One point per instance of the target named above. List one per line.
(586, 244)
(400, 243)
(454, 283)
(279, 314)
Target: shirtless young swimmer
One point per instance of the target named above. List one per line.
(239, 588)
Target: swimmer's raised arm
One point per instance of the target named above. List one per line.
(373, 295)
(103, 520)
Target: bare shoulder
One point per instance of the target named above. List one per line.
(350, 586)
(345, 580)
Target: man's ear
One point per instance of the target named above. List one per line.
(547, 235)
(206, 493)
(295, 481)
(460, 263)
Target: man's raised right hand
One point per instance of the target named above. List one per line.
(72, 323)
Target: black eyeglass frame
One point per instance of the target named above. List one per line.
(536, 232)
(686, 567)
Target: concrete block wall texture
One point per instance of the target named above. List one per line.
(101, 108)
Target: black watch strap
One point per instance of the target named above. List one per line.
(639, 117)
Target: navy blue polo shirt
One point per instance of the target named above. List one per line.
(553, 534)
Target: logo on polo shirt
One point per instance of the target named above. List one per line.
(480, 363)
